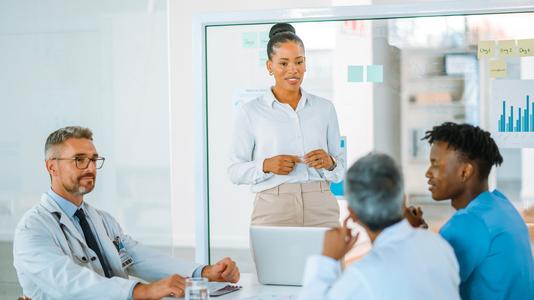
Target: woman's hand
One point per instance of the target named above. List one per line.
(281, 164)
(224, 270)
(319, 159)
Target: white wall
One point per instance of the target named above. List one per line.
(98, 64)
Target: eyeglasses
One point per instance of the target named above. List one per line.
(82, 163)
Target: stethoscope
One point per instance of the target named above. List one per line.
(62, 226)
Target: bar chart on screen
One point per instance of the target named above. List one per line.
(512, 111)
(523, 122)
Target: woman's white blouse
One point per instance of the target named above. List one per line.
(264, 128)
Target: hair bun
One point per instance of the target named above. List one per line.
(279, 28)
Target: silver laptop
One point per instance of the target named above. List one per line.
(280, 253)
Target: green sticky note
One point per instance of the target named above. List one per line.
(264, 39)
(375, 73)
(250, 40)
(355, 74)
(262, 57)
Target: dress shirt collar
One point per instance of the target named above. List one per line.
(68, 207)
(270, 99)
(398, 231)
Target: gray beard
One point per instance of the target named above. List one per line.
(78, 190)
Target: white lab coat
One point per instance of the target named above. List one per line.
(53, 260)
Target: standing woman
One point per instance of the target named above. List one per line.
(286, 144)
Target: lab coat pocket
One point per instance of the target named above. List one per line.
(81, 260)
(77, 252)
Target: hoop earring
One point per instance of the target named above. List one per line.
(270, 73)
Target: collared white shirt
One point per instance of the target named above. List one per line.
(264, 128)
(404, 263)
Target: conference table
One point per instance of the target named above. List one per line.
(253, 290)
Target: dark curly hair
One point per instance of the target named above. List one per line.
(471, 142)
(281, 33)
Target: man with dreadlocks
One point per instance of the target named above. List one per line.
(488, 235)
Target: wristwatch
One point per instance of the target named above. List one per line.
(334, 165)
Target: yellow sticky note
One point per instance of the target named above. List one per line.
(486, 49)
(525, 47)
(507, 48)
(497, 68)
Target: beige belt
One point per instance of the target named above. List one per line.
(314, 186)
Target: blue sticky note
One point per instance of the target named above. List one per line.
(375, 73)
(355, 74)
(264, 39)
(337, 188)
(250, 40)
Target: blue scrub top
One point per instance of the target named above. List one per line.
(492, 244)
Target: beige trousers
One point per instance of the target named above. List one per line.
(296, 204)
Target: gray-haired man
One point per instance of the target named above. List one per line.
(404, 263)
(64, 248)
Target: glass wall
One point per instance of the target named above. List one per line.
(99, 64)
(390, 81)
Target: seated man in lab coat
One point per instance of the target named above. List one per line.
(404, 262)
(64, 248)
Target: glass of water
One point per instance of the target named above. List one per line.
(196, 288)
